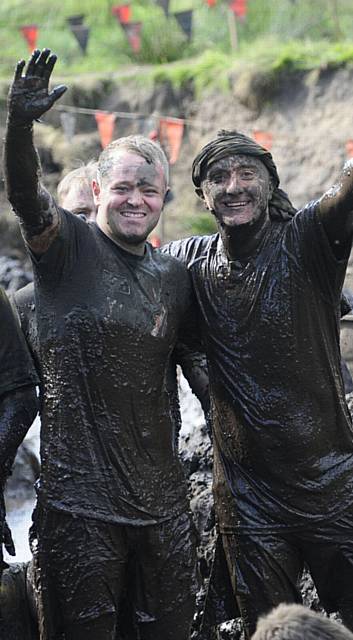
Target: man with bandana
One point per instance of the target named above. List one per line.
(268, 286)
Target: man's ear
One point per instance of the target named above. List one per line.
(199, 193)
(166, 196)
(96, 192)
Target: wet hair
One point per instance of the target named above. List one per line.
(296, 622)
(151, 151)
(232, 143)
(86, 173)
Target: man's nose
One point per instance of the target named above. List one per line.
(233, 183)
(135, 197)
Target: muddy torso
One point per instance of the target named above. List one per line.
(107, 323)
(283, 433)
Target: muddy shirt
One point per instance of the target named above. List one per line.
(16, 367)
(282, 430)
(107, 322)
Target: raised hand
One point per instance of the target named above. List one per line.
(29, 97)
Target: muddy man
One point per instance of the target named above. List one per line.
(268, 287)
(112, 514)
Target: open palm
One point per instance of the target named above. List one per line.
(29, 96)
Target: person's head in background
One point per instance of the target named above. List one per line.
(75, 191)
(296, 622)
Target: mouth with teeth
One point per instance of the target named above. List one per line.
(236, 204)
(133, 214)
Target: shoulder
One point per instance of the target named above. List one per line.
(190, 249)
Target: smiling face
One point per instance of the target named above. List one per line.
(237, 190)
(130, 199)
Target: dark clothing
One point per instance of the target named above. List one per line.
(271, 565)
(283, 446)
(86, 600)
(16, 367)
(282, 428)
(107, 322)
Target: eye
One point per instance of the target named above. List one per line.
(247, 174)
(217, 177)
(120, 188)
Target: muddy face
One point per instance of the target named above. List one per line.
(79, 199)
(130, 199)
(237, 190)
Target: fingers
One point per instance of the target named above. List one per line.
(32, 63)
(41, 64)
(57, 92)
(50, 66)
(19, 68)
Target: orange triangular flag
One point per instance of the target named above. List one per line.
(133, 34)
(171, 131)
(30, 33)
(122, 12)
(349, 148)
(105, 123)
(264, 138)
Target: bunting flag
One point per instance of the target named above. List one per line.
(68, 123)
(264, 138)
(81, 33)
(164, 4)
(133, 34)
(30, 33)
(75, 21)
(349, 149)
(239, 7)
(211, 3)
(122, 12)
(171, 133)
(105, 123)
(184, 19)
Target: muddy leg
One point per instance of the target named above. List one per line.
(264, 571)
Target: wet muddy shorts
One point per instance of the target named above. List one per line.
(90, 570)
(265, 568)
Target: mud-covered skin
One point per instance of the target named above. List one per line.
(28, 100)
(282, 431)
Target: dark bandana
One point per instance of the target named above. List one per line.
(231, 143)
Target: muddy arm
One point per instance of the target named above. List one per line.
(17, 412)
(28, 100)
(336, 211)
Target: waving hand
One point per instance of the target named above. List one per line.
(29, 95)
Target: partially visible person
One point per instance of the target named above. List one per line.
(18, 403)
(75, 191)
(296, 622)
(75, 195)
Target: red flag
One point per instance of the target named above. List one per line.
(30, 33)
(264, 138)
(239, 7)
(105, 123)
(122, 12)
(349, 148)
(133, 34)
(171, 131)
(211, 3)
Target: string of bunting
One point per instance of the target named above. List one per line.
(132, 29)
(168, 130)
